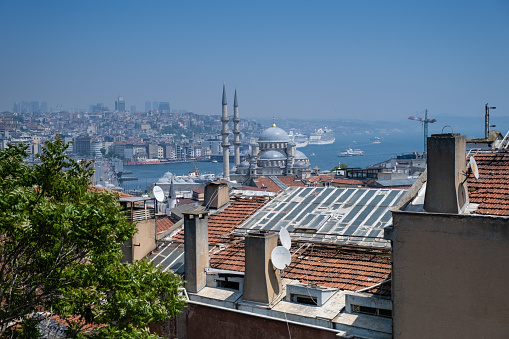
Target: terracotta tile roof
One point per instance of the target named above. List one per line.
(347, 181)
(291, 181)
(271, 186)
(102, 189)
(321, 177)
(329, 266)
(221, 224)
(263, 182)
(491, 190)
(164, 224)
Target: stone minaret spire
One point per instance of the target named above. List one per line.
(225, 144)
(236, 130)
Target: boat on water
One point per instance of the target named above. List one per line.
(322, 136)
(376, 140)
(351, 152)
(299, 139)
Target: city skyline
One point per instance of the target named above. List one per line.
(330, 60)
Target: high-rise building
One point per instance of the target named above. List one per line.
(16, 108)
(120, 104)
(34, 106)
(148, 106)
(155, 105)
(44, 107)
(133, 108)
(164, 107)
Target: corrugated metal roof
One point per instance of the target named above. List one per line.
(354, 216)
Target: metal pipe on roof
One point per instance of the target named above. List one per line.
(370, 287)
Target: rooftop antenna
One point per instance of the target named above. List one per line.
(158, 193)
(281, 257)
(284, 237)
(487, 121)
(473, 167)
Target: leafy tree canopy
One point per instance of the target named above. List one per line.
(60, 251)
(340, 166)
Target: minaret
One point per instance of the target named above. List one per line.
(225, 132)
(172, 196)
(236, 130)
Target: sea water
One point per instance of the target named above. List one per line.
(324, 156)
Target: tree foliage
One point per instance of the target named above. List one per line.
(60, 251)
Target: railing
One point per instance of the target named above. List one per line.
(141, 214)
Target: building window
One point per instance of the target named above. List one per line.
(233, 285)
(304, 299)
(372, 311)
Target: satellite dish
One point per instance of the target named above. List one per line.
(284, 236)
(281, 257)
(473, 166)
(158, 193)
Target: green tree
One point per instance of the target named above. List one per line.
(340, 166)
(60, 251)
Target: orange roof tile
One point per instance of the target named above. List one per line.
(268, 184)
(321, 177)
(291, 181)
(102, 189)
(329, 266)
(347, 181)
(164, 224)
(491, 190)
(220, 225)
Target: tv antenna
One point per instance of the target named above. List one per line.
(158, 193)
(281, 257)
(473, 167)
(285, 239)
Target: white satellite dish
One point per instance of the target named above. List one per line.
(473, 166)
(158, 193)
(281, 257)
(284, 236)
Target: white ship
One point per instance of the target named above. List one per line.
(299, 139)
(321, 136)
(351, 152)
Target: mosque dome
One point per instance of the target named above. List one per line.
(244, 164)
(272, 155)
(300, 164)
(274, 134)
(298, 155)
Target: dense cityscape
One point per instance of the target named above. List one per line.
(329, 170)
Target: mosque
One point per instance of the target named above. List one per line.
(274, 154)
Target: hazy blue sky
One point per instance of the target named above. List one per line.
(324, 59)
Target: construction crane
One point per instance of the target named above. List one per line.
(425, 122)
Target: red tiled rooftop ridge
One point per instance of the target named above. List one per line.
(268, 184)
(491, 190)
(164, 224)
(220, 225)
(328, 266)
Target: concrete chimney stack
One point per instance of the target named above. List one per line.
(196, 247)
(446, 190)
(262, 282)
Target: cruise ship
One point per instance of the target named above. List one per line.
(322, 136)
(299, 139)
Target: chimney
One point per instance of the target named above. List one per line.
(216, 194)
(196, 247)
(446, 191)
(262, 282)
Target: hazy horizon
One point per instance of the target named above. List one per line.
(363, 60)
